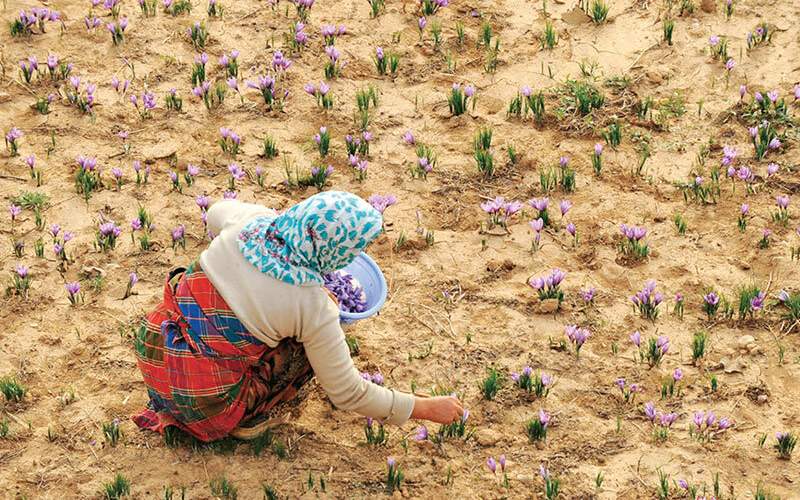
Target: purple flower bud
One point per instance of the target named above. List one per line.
(21, 270)
(772, 169)
(773, 96)
(537, 225)
(565, 205)
(650, 411)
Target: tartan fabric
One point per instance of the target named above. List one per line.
(204, 372)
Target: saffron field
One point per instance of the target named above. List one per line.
(591, 237)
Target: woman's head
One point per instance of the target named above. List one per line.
(319, 235)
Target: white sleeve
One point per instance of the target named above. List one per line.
(327, 351)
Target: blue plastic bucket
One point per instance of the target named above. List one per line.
(371, 279)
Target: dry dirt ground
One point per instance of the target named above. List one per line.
(54, 447)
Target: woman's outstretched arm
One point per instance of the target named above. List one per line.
(327, 351)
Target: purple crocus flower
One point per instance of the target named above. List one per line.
(757, 302)
(492, 465)
(650, 410)
(544, 417)
(577, 335)
(772, 169)
(422, 433)
(73, 288)
(540, 204)
(745, 174)
(408, 137)
(668, 419)
(699, 419)
(22, 271)
(636, 338)
(203, 202)
(565, 205)
(178, 233)
(381, 202)
(662, 342)
(773, 96)
(711, 298)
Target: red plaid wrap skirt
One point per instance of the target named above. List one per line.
(204, 372)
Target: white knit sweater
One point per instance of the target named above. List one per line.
(273, 310)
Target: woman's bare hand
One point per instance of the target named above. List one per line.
(440, 409)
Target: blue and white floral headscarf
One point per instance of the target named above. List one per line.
(319, 235)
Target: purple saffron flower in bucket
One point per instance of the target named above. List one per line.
(348, 292)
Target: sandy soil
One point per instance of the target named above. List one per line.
(57, 450)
